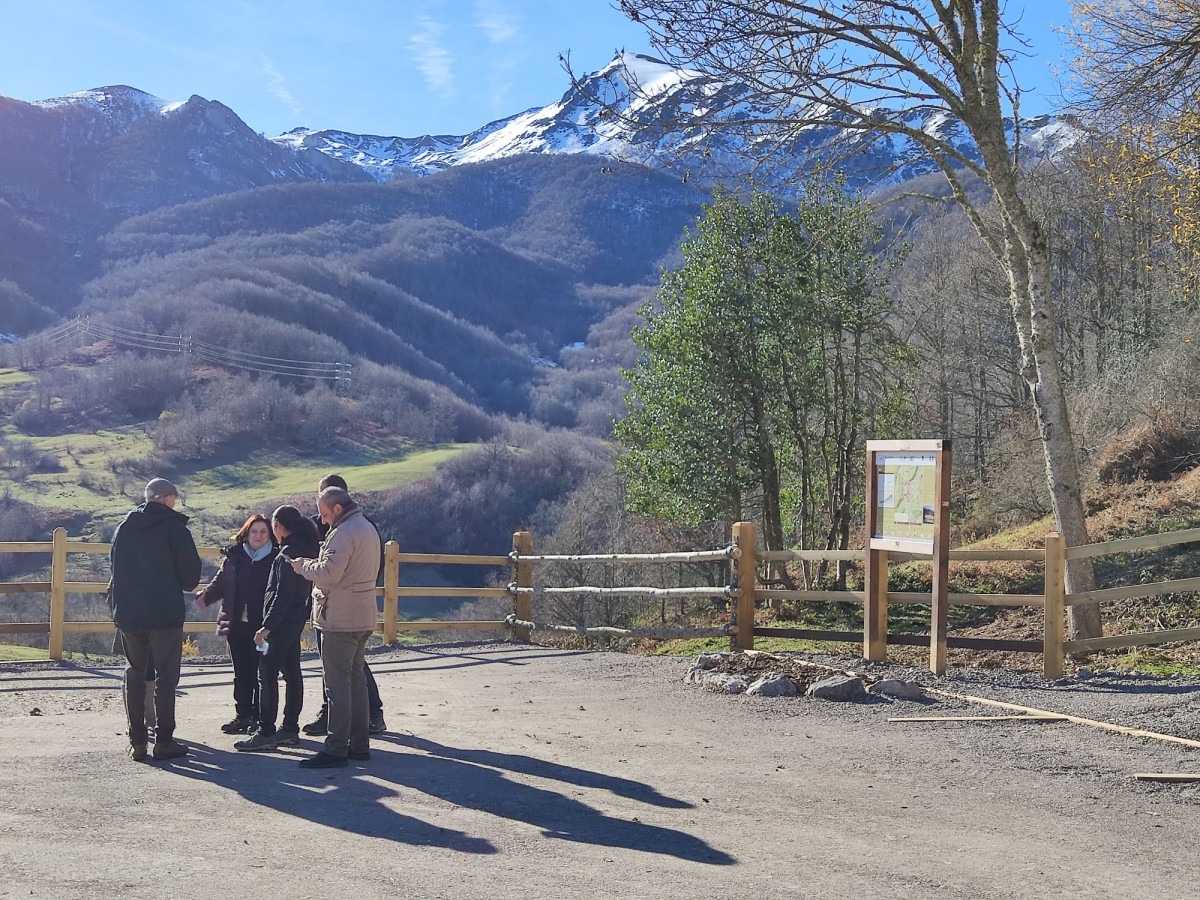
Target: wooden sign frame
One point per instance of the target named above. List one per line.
(884, 537)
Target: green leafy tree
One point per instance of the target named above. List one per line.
(764, 362)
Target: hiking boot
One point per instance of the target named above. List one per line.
(170, 749)
(319, 725)
(323, 760)
(256, 743)
(377, 725)
(238, 725)
(137, 752)
(287, 737)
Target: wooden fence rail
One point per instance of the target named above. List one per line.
(743, 592)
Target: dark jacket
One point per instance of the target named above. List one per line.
(240, 585)
(154, 560)
(288, 602)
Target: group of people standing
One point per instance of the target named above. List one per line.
(276, 575)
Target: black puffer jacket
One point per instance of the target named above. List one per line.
(288, 601)
(154, 560)
(240, 585)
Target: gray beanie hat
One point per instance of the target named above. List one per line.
(159, 488)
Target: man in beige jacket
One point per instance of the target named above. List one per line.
(345, 611)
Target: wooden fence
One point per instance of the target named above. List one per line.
(743, 594)
(390, 625)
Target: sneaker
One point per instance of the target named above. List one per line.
(171, 749)
(257, 742)
(137, 752)
(377, 725)
(319, 725)
(238, 725)
(359, 754)
(323, 760)
(287, 737)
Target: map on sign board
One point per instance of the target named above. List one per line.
(907, 495)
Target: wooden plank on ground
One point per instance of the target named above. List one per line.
(1171, 777)
(1079, 720)
(1014, 718)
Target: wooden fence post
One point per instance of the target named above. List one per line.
(522, 577)
(744, 567)
(1052, 652)
(875, 617)
(939, 616)
(391, 592)
(58, 591)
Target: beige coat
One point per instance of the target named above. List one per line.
(344, 576)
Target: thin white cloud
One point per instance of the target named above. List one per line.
(275, 84)
(433, 60)
(497, 21)
(502, 27)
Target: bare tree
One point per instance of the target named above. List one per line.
(1139, 60)
(871, 69)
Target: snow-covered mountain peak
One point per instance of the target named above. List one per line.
(113, 97)
(639, 109)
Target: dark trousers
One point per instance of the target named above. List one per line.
(281, 657)
(166, 646)
(244, 653)
(374, 702)
(342, 663)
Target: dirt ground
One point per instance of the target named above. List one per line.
(520, 772)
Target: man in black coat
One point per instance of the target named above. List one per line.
(154, 562)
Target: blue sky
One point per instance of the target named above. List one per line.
(391, 67)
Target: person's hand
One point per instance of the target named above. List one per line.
(200, 598)
(261, 635)
(297, 566)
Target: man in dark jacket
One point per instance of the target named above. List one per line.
(154, 561)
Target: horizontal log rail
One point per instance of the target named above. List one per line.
(811, 596)
(1017, 600)
(964, 555)
(902, 598)
(1139, 639)
(451, 592)
(620, 591)
(659, 633)
(812, 555)
(449, 559)
(25, 587)
(1130, 591)
(683, 556)
(903, 639)
(1129, 545)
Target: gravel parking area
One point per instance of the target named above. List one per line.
(516, 771)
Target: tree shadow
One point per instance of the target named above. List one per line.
(352, 799)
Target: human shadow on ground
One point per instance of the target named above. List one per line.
(353, 799)
(540, 768)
